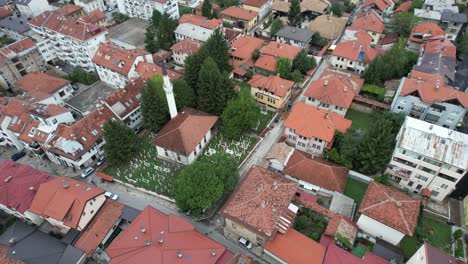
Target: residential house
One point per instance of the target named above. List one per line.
(129, 34)
(427, 15)
(313, 8)
(439, 5)
(419, 164)
(371, 23)
(70, 11)
(403, 7)
(59, 89)
(91, 5)
(19, 184)
(201, 21)
(95, 17)
(382, 7)
(334, 91)
(192, 32)
(329, 27)
(241, 18)
(15, 27)
(279, 155)
(280, 8)
(313, 130)
(116, 66)
(67, 203)
(167, 239)
(5, 12)
(144, 8)
(13, 120)
(452, 23)
(260, 207)
(427, 254)
(269, 55)
(18, 59)
(336, 254)
(262, 7)
(215, 7)
(147, 70)
(294, 36)
(242, 50)
(32, 8)
(272, 92)
(423, 32)
(427, 97)
(387, 213)
(184, 48)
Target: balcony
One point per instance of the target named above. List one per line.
(417, 111)
(398, 172)
(405, 162)
(432, 118)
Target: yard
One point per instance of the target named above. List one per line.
(236, 148)
(355, 189)
(360, 119)
(310, 223)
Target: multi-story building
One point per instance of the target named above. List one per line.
(116, 66)
(182, 49)
(429, 158)
(452, 23)
(372, 23)
(262, 7)
(144, 8)
(16, 27)
(271, 92)
(243, 48)
(17, 60)
(90, 5)
(240, 17)
(32, 8)
(95, 17)
(382, 7)
(192, 32)
(269, 55)
(73, 41)
(427, 97)
(422, 33)
(40, 83)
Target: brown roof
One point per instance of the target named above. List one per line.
(239, 13)
(103, 222)
(353, 49)
(280, 152)
(64, 204)
(161, 55)
(280, 50)
(316, 171)
(93, 17)
(281, 6)
(243, 47)
(425, 30)
(272, 83)
(117, 59)
(186, 46)
(147, 70)
(255, 3)
(266, 62)
(41, 82)
(184, 132)
(380, 4)
(369, 21)
(259, 201)
(329, 27)
(68, 9)
(317, 6)
(390, 207)
(123, 101)
(200, 21)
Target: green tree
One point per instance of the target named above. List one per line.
(166, 36)
(456, 235)
(119, 17)
(218, 49)
(206, 9)
(296, 76)
(184, 94)
(255, 55)
(156, 19)
(283, 67)
(337, 9)
(192, 68)
(303, 63)
(151, 45)
(403, 23)
(154, 104)
(227, 3)
(319, 40)
(121, 142)
(82, 76)
(415, 4)
(462, 45)
(294, 15)
(225, 167)
(301, 223)
(276, 25)
(348, 6)
(185, 10)
(240, 115)
(198, 186)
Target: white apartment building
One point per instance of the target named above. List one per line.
(144, 8)
(90, 5)
(452, 23)
(32, 8)
(192, 32)
(430, 157)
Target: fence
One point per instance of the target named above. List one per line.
(360, 177)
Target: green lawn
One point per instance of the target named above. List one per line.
(459, 250)
(265, 117)
(409, 246)
(236, 148)
(359, 250)
(355, 189)
(310, 223)
(360, 119)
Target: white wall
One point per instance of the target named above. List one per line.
(90, 210)
(333, 108)
(379, 230)
(419, 256)
(11, 136)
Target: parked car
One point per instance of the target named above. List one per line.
(18, 155)
(112, 196)
(75, 86)
(86, 172)
(246, 243)
(100, 161)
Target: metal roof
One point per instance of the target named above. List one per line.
(294, 33)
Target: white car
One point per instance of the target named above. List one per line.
(112, 196)
(100, 161)
(246, 243)
(86, 172)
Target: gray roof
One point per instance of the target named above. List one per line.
(131, 32)
(388, 251)
(436, 63)
(35, 247)
(129, 213)
(15, 23)
(451, 16)
(294, 33)
(342, 204)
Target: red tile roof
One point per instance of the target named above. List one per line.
(335, 88)
(46, 111)
(124, 101)
(442, 46)
(266, 62)
(4, 12)
(309, 121)
(255, 3)
(380, 4)
(214, 7)
(352, 50)
(56, 201)
(259, 201)
(68, 9)
(12, 50)
(369, 21)
(96, 231)
(337, 255)
(147, 70)
(272, 83)
(239, 13)
(243, 47)
(436, 256)
(140, 241)
(41, 82)
(16, 110)
(280, 50)
(5, 259)
(426, 30)
(186, 46)
(161, 55)
(404, 7)
(183, 133)
(294, 247)
(318, 172)
(200, 21)
(30, 126)
(390, 207)
(117, 59)
(19, 184)
(93, 17)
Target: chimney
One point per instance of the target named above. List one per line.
(8, 178)
(326, 115)
(147, 242)
(160, 240)
(213, 252)
(65, 184)
(345, 89)
(437, 86)
(143, 229)
(179, 254)
(169, 93)
(32, 188)
(325, 82)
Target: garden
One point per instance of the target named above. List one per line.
(361, 120)
(310, 223)
(236, 148)
(355, 189)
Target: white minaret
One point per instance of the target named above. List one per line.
(169, 93)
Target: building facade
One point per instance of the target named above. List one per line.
(144, 8)
(32, 8)
(90, 5)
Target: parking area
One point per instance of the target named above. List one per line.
(88, 96)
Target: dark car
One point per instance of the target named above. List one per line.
(18, 155)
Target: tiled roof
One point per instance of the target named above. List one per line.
(15, 109)
(404, 7)
(317, 172)
(280, 50)
(272, 83)
(15, 48)
(183, 133)
(255, 3)
(41, 82)
(4, 12)
(214, 7)
(25, 135)
(147, 70)
(154, 237)
(123, 101)
(329, 27)
(46, 111)
(309, 121)
(390, 207)
(93, 17)
(239, 13)
(442, 46)
(243, 47)
(436, 256)
(19, 184)
(342, 225)
(337, 255)
(266, 62)
(280, 152)
(294, 247)
(96, 231)
(357, 50)
(56, 201)
(380, 4)
(186, 46)
(117, 59)
(426, 30)
(281, 6)
(68, 9)
(335, 88)
(317, 6)
(259, 201)
(369, 21)
(161, 55)
(200, 21)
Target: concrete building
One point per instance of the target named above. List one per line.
(452, 23)
(192, 32)
(294, 36)
(144, 8)
(382, 7)
(184, 48)
(429, 157)
(58, 89)
(32, 8)
(262, 7)
(372, 23)
(243, 48)
(16, 27)
(90, 5)
(271, 92)
(241, 18)
(129, 34)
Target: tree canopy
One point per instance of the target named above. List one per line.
(184, 94)
(121, 142)
(276, 25)
(294, 15)
(303, 63)
(217, 48)
(154, 104)
(151, 44)
(283, 67)
(206, 9)
(403, 23)
(337, 9)
(161, 32)
(119, 17)
(240, 115)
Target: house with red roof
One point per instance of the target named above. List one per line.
(18, 186)
(311, 129)
(403, 7)
(147, 70)
(334, 91)
(240, 17)
(387, 213)
(423, 32)
(370, 22)
(428, 254)
(116, 65)
(184, 48)
(272, 91)
(262, 7)
(243, 48)
(380, 6)
(337, 255)
(201, 21)
(95, 17)
(269, 55)
(56, 90)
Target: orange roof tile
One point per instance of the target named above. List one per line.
(280, 50)
(30, 126)
(380, 4)
(266, 62)
(309, 121)
(147, 70)
(294, 247)
(12, 50)
(4, 12)
(357, 50)
(68, 9)
(404, 7)
(369, 21)
(255, 3)
(390, 207)
(260, 199)
(239, 13)
(442, 46)
(426, 30)
(117, 59)
(46, 111)
(186, 46)
(243, 47)
(93, 17)
(200, 21)
(272, 83)
(41, 82)
(123, 101)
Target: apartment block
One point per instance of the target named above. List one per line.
(144, 8)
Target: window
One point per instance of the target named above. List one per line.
(448, 178)
(421, 178)
(54, 121)
(165, 153)
(444, 186)
(62, 93)
(410, 183)
(400, 107)
(433, 172)
(419, 187)
(195, 152)
(434, 193)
